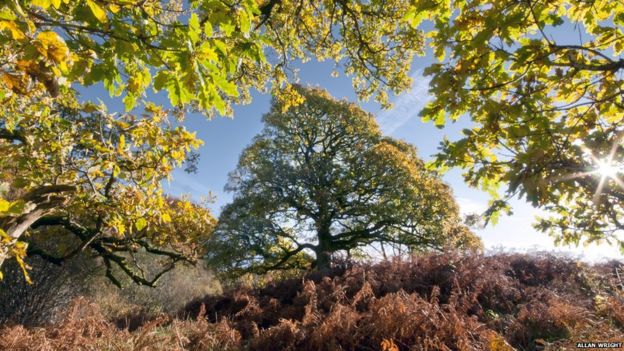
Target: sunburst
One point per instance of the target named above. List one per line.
(606, 168)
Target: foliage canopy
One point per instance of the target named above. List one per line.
(546, 107)
(76, 168)
(204, 53)
(542, 83)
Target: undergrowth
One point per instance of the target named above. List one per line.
(434, 302)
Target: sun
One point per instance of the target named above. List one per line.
(606, 169)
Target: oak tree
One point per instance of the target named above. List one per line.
(72, 168)
(321, 178)
(541, 82)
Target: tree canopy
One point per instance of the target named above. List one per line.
(321, 178)
(76, 168)
(542, 83)
(204, 53)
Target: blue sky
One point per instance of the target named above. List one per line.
(225, 138)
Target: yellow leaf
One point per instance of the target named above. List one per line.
(16, 33)
(116, 170)
(165, 217)
(122, 144)
(42, 3)
(4, 206)
(114, 8)
(19, 252)
(97, 11)
(52, 46)
(5, 237)
(140, 224)
(121, 228)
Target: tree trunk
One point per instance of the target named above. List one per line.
(3, 256)
(324, 249)
(383, 252)
(323, 260)
(16, 227)
(45, 199)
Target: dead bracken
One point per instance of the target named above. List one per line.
(444, 301)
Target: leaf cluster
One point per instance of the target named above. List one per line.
(99, 177)
(541, 81)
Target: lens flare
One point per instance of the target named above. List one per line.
(607, 169)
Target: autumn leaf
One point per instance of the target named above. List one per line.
(97, 11)
(140, 224)
(16, 32)
(52, 46)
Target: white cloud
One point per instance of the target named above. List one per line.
(470, 206)
(183, 183)
(406, 106)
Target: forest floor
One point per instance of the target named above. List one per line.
(432, 302)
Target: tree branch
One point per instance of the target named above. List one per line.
(288, 255)
(36, 251)
(12, 136)
(90, 239)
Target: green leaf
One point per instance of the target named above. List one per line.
(175, 92)
(129, 101)
(194, 28)
(208, 29)
(161, 80)
(245, 23)
(97, 11)
(228, 28)
(227, 87)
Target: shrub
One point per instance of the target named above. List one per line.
(134, 304)
(85, 328)
(53, 288)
